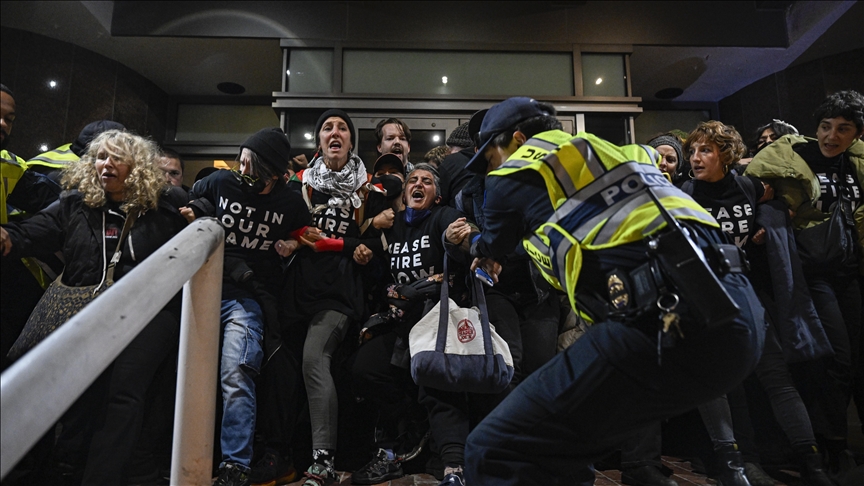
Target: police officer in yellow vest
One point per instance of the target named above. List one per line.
(52, 162)
(21, 191)
(675, 321)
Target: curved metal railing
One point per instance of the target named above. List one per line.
(38, 388)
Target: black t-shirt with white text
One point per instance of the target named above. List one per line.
(417, 252)
(733, 209)
(828, 172)
(252, 222)
(327, 280)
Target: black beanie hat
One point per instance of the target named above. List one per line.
(673, 142)
(327, 114)
(272, 147)
(91, 131)
(459, 137)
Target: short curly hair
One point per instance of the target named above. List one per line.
(849, 104)
(727, 139)
(144, 183)
(436, 155)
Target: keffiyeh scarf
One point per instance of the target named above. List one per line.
(341, 185)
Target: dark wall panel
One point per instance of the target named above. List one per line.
(732, 112)
(806, 90)
(93, 84)
(794, 93)
(89, 87)
(40, 108)
(758, 105)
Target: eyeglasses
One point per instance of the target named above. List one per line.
(247, 179)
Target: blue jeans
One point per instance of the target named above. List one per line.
(242, 354)
(589, 399)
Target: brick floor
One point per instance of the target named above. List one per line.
(682, 474)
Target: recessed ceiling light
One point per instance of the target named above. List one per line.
(435, 138)
(599, 80)
(52, 84)
(43, 147)
(669, 93)
(230, 88)
(307, 136)
(444, 79)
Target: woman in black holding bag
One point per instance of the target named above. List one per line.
(116, 181)
(826, 173)
(415, 251)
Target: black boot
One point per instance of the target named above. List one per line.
(731, 467)
(646, 476)
(756, 475)
(812, 473)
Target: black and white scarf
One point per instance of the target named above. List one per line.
(341, 185)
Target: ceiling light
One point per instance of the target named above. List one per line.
(668, 93)
(231, 88)
(307, 136)
(436, 138)
(43, 147)
(444, 79)
(599, 80)
(52, 84)
(288, 72)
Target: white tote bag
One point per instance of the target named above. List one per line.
(456, 349)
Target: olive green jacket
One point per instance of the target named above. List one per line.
(795, 183)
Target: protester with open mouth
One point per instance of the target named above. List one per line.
(812, 177)
(415, 252)
(324, 293)
(117, 179)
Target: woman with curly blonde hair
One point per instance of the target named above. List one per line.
(117, 178)
(141, 185)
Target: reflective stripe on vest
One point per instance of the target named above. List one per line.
(12, 168)
(598, 192)
(10, 173)
(58, 158)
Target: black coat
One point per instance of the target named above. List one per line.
(70, 226)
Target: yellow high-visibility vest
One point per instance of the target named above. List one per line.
(597, 190)
(12, 168)
(58, 158)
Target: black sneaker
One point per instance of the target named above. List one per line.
(272, 470)
(232, 475)
(381, 469)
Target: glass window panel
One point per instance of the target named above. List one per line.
(612, 127)
(603, 75)
(301, 131)
(311, 71)
(222, 123)
(458, 73)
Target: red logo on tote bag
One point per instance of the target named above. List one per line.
(465, 331)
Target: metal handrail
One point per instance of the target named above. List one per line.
(38, 388)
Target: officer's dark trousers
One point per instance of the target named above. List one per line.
(593, 396)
